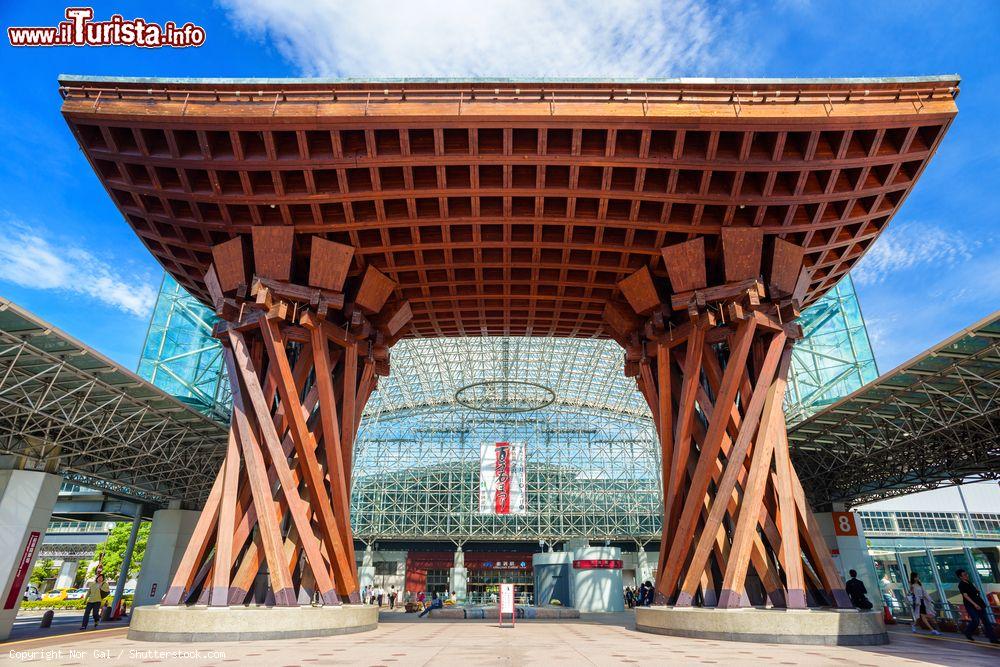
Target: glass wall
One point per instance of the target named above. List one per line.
(935, 561)
(181, 357)
(834, 358)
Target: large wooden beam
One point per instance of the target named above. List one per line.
(682, 538)
(305, 446)
(297, 508)
(734, 465)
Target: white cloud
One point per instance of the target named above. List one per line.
(499, 38)
(28, 259)
(912, 246)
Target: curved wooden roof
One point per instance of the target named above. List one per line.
(505, 208)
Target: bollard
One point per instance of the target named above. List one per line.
(47, 619)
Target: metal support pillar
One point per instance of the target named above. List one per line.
(127, 560)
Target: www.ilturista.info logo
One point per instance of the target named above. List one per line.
(79, 29)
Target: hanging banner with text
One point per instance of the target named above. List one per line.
(23, 566)
(502, 479)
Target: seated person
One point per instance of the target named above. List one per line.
(436, 603)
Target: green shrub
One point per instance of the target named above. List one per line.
(67, 604)
(53, 604)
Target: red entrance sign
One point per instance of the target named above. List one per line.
(845, 524)
(598, 564)
(22, 570)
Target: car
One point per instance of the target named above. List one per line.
(76, 594)
(57, 594)
(31, 593)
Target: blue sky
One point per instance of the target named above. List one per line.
(67, 255)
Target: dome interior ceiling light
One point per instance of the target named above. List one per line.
(505, 396)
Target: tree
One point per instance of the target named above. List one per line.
(45, 569)
(81, 573)
(112, 552)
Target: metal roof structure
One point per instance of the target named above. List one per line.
(928, 423)
(70, 409)
(579, 373)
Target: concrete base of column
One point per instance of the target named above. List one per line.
(209, 624)
(168, 538)
(26, 501)
(458, 582)
(598, 589)
(366, 576)
(850, 552)
(828, 627)
(67, 574)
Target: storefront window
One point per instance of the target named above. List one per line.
(917, 561)
(947, 562)
(892, 583)
(987, 565)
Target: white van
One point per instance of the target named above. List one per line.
(31, 593)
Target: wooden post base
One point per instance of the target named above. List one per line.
(712, 363)
(732, 500)
(302, 362)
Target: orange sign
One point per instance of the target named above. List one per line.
(845, 524)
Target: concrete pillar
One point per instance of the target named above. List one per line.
(643, 566)
(168, 537)
(26, 501)
(850, 552)
(366, 573)
(67, 574)
(458, 576)
(126, 561)
(596, 586)
(552, 577)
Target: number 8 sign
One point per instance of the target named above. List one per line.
(844, 524)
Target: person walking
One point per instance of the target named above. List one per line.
(392, 597)
(629, 597)
(96, 592)
(975, 606)
(380, 592)
(857, 592)
(923, 606)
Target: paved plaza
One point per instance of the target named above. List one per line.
(402, 640)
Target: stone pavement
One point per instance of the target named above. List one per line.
(402, 640)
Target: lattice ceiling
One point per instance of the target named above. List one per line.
(509, 210)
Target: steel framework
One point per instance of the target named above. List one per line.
(68, 408)
(593, 468)
(930, 422)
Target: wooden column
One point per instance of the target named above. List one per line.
(712, 361)
(281, 503)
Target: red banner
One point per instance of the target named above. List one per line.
(502, 498)
(598, 564)
(22, 570)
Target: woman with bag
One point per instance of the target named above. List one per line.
(923, 606)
